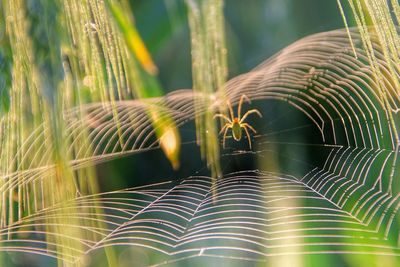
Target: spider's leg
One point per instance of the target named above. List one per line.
(247, 133)
(248, 125)
(230, 109)
(223, 128)
(251, 111)
(226, 131)
(241, 103)
(219, 115)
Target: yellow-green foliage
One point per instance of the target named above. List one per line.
(83, 57)
(375, 16)
(206, 21)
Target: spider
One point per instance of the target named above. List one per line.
(237, 123)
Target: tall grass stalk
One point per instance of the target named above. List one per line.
(376, 16)
(209, 68)
(142, 73)
(38, 95)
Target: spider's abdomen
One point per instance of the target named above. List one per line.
(236, 131)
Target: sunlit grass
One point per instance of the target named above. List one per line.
(142, 72)
(380, 18)
(64, 109)
(209, 65)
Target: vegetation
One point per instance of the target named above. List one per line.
(80, 89)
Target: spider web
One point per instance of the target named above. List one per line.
(254, 214)
(347, 205)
